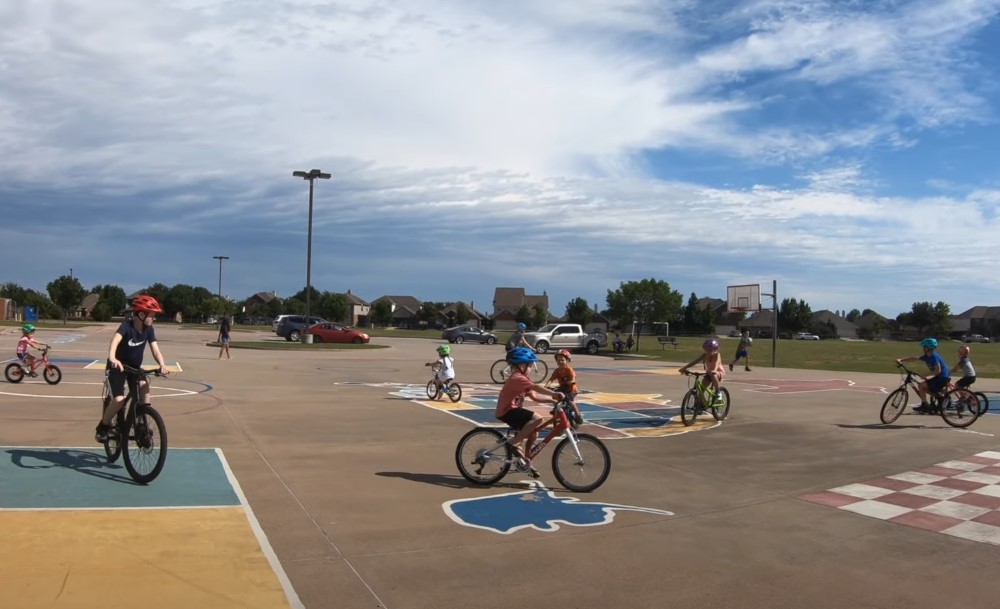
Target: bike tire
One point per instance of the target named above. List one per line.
(142, 446)
(984, 402)
(959, 408)
(689, 408)
(581, 475)
(52, 374)
(432, 390)
(454, 392)
(14, 373)
(539, 372)
(894, 405)
(471, 456)
(720, 412)
(500, 371)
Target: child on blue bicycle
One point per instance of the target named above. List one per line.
(715, 372)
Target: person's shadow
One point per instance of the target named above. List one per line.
(443, 480)
(84, 462)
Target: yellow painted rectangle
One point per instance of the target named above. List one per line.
(154, 559)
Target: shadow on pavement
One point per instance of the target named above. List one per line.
(443, 480)
(89, 463)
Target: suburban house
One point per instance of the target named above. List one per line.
(760, 323)
(873, 325)
(259, 299)
(722, 316)
(448, 315)
(404, 309)
(359, 310)
(508, 301)
(977, 320)
(840, 326)
(86, 307)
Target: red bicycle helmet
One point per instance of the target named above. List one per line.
(565, 353)
(146, 304)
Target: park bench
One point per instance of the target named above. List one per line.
(667, 340)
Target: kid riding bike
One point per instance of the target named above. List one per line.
(27, 364)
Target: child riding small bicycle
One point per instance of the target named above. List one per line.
(28, 340)
(715, 372)
(965, 365)
(935, 382)
(444, 367)
(510, 404)
(565, 376)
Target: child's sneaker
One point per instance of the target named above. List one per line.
(730, 366)
(101, 433)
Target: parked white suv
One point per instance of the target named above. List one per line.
(975, 338)
(806, 336)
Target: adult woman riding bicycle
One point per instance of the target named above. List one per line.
(128, 345)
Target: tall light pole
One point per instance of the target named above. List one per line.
(311, 175)
(220, 259)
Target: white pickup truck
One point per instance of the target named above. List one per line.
(565, 336)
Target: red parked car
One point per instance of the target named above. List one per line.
(328, 332)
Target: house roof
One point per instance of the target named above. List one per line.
(844, 327)
(980, 312)
(354, 300)
(90, 301)
(264, 296)
(508, 298)
(453, 306)
(711, 303)
(761, 319)
(407, 302)
(868, 320)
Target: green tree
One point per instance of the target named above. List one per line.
(462, 313)
(793, 315)
(333, 307)
(101, 312)
(578, 311)
(853, 315)
(381, 313)
(539, 316)
(180, 299)
(67, 293)
(112, 296)
(697, 319)
(523, 315)
(429, 311)
(929, 319)
(158, 291)
(644, 302)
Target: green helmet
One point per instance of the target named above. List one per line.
(444, 349)
(28, 328)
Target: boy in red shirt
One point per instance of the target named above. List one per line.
(510, 403)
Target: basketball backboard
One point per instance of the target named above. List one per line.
(743, 297)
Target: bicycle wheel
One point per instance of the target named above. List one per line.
(539, 371)
(52, 374)
(720, 410)
(583, 472)
(432, 390)
(689, 407)
(984, 402)
(959, 408)
(454, 392)
(894, 405)
(14, 373)
(500, 371)
(482, 456)
(145, 445)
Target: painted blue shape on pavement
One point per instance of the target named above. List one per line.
(40, 478)
(536, 508)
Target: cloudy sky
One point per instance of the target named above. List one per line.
(847, 149)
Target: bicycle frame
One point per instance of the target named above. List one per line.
(558, 422)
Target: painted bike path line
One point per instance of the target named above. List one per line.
(80, 533)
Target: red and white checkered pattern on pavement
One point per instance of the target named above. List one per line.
(959, 498)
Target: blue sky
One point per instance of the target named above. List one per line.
(846, 149)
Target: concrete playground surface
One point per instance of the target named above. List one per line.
(328, 479)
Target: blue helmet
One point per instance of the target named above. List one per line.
(929, 343)
(521, 355)
(521, 326)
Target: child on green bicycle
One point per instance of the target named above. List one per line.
(510, 403)
(715, 372)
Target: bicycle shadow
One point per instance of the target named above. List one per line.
(88, 463)
(446, 481)
(889, 426)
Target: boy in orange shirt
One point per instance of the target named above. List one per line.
(566, 377)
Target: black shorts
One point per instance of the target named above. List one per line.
(517, 418)
(965, 381)
(116, 381)
(937, 383)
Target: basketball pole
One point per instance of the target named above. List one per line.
(774, 322)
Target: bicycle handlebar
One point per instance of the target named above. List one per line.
(142, 371)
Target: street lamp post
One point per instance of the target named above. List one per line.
(220, 259)
(311, 175)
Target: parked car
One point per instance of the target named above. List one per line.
(806, 336)
(329, 332)
(735, 334)
(290, 327)
(277, 322)
(975, 338)
(461, 334)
